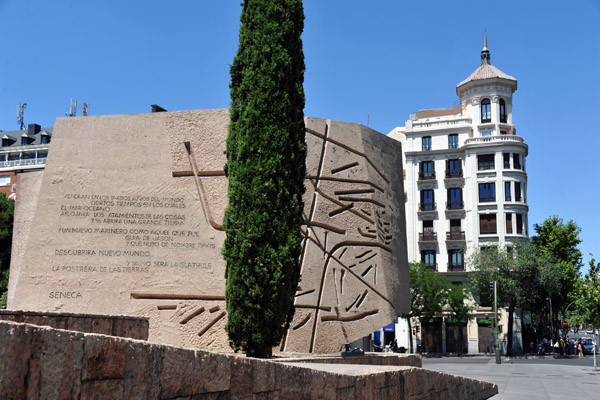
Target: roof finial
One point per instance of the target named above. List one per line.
(485, 53)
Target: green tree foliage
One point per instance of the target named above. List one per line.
(524, 277)
(428, 294)
(266, 155)
(588, 296)
(559, 241)
(7, 207)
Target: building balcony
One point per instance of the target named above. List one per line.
(23, 162)
(455, 205)
(454, 173)
(423, 207)
(496, 139)
(455, 236)
(427, 237)
(426, 176)
(431, 267)
(456, 267)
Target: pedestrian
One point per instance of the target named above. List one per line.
(580, 348)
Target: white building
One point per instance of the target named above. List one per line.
(466, 184)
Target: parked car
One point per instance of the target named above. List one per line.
(588, 345)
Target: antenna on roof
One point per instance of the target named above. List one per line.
(20, 119)
(72, 108)
(84, 109)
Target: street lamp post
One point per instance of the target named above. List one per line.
(494, 284)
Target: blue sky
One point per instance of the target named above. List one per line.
(375, 61)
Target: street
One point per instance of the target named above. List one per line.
(527, 377)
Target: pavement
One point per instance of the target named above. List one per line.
(527, 377)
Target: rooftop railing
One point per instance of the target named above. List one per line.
(23, 162)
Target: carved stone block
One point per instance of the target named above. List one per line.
(126, 219)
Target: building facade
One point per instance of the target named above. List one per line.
(466, 185)
(22, 150)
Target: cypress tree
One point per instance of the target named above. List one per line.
(266, 155)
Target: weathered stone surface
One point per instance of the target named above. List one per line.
(123, 326)
(46, 363)
(127, 220)
(390, 359)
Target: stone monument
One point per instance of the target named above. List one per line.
(126, 219)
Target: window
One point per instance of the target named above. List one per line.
(453, 141)
(506, 191)
(520, 224)
(24, 141)
(487, 224)
(455, 232)
(485, 161)
(518, 191)
(487, 192)
(486, 113)
(502, 110)
(4, 180)
(428, 225)
(454, 199)
(506, 157)
(44, 139)
(428, 233)
(426, 170)
(7, 142)
(427, 201)
(486, 132)
(508, 223)
(455, 260)
(426, 142)
(453, 168)
(517, 161)
(503, 132)
(428, 258)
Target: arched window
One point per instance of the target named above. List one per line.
(502, 111)
(486, 111)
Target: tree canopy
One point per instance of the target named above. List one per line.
(559, 241)
(7, 207)
(266, 155)
(524, 277)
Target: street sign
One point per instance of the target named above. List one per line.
(565, 324)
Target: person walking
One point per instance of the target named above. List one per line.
(580, 349)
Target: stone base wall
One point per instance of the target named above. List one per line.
(38, 362)
(112, 325)
(389, 359)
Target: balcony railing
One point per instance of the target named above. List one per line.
(428, 237)
(453, 145)
(454, 205)
(487, 199)
(22, 162)
(454, 173)
(458, 236)
(484, 166)
(427, 206)
(426, 175)
(432, 267)
(495, 138)
(456, 267)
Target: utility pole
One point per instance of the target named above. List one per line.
(493, 285)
